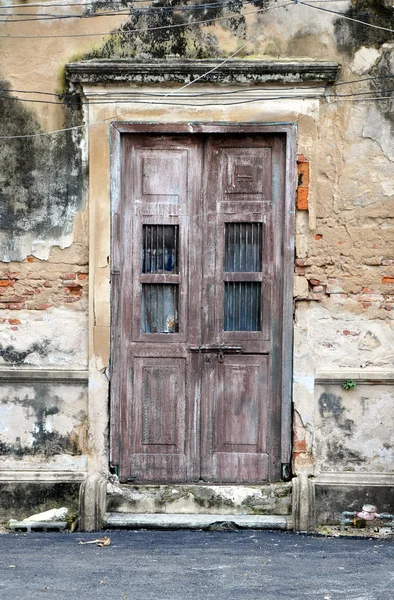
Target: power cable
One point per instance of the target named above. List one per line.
(201, 94)
(143, 30)
(140, 11)
(343, 16)
(257, 99)
(77, 127)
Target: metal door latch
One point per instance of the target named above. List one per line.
(217, 348)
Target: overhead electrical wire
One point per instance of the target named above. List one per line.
(129, 12)
(76, 127)
(145, 29)
(336, 98)
(248, 101)
(343, 16)
(97, 3)
(201, 94)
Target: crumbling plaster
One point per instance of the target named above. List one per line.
(344, 284)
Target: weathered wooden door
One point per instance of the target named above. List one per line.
(196, 354)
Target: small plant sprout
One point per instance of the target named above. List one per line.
(349, 384)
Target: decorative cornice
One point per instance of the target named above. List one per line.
(187, 70)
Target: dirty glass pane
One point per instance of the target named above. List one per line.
(243, 247)
(242, 306)
(159, 308)
(160, 248)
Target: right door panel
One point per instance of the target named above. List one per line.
(240, 408)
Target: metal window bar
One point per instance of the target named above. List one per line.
(160, 244)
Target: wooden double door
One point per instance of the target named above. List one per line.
(198, 236)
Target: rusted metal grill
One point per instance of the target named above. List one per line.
(160, 248)
(242, 298)
(242, 306)
(243, 250)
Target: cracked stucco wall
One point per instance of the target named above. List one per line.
(344, 280)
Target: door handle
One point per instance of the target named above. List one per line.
(219, 349)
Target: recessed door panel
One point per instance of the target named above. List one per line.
(200, 235)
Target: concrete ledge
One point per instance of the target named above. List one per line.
(178, 521)
(24, 527)
(353, 478)
(29, 375)
(366, 377)
(41, 476)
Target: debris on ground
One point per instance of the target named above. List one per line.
(101, 542)
(49, 520)
(375, 531)
(55, 514)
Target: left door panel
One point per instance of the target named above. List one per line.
(158, 291)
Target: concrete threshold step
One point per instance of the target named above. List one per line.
(197, 521)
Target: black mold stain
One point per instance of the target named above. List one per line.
(330, 405)
(16, 357)
(338, 453)
(22, 499)
(383, 86)
(41, 178)
(45, 443)
(350, 36)
(186, 41)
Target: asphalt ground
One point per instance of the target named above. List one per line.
(190, 565)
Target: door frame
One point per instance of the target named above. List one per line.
(286, 338)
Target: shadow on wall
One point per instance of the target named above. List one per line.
(41, 177)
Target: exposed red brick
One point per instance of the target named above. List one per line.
(4, 282)
(83, 275)
(303, 174)
(13, 299)
(301, 158)
(300, 262)
(16, 306)
(314, 282)
(299, 269)
(70, 276)
(388, 279)
(318, 236)
(47, 284)
(299, 446)
(14, 321)
(30, 259)
(302, 198)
